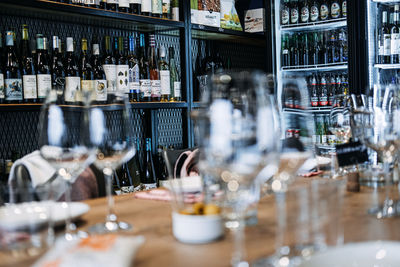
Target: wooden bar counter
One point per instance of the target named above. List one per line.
(152, 219)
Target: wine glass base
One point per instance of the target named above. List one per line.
(387, 210)
(274, 261)
(110, 227)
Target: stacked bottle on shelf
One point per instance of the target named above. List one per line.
(314, 48)
(26, 74)
(167, 9)
(323, 89)
(142, 172)
(388, 39)
(310, 11)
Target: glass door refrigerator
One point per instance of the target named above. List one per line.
(383, 42)
(311, 43)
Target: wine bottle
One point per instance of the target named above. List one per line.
(285, 50)
(149, 177)
(154, 72)
(125, 180)
(72, 78)
(134, 77)
(314, 11)
(103, 4)
(305, 12)
(166, 9)
(123, 6)
(57, 67)
(86, 70)
(175, 10)
(160, 167)
(29, 83)
(175, 80)
(156, 8)
(43, 68)
(100, 81)
(12, 72)
(2, 95)
(165, 78)
(384, 55)
(285, 12)
(146, 7)
(144, 72)
(135, 170)
(335, 9)
(344, 8)
(136, 6)
(324, 10)
(110, 66)
(395, 38)
(323, 99)
(112, 5)
(122, 68)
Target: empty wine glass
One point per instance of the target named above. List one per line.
(64, 131)
(379, 128)
(110, 132)
(236, 133)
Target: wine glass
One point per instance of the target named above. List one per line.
(110, 132)
(64, 131)
(379, 129)
(237, 138)
(340, 117)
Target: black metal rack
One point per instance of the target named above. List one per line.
(167, 123)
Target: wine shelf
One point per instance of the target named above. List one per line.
(386, 1)
(312, 110)
(319, 25)
(87, 15)
(214, 33)
(387, 66)
(319, 67)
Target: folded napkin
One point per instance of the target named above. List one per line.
(164, 195)
(94, 251)
(40, 171)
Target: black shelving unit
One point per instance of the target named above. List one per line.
(166, 123)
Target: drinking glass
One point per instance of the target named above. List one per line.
(63, 130)
(237, 138)
(379, 128)
(110, 132)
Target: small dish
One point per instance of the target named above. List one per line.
(197, 229)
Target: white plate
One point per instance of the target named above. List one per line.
(367, 254)
(35, 213)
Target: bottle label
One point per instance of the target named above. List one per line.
(316, 139)
(344, 8)
(314, 101)
(134, 85)
(166, 6)
(145, 88)
(29, 85)
(90, 2)
(43, 85)
(155, 88)
(335, 10)
(285, 52)
(156, 6)
(314, 13)
(380, 45)
(149, 186)
(331, 139)
(112, 1)
(177, 89)
(122, 78)
(324, 12)
(323, 139)
(146, 6)
(124, 3)
(386, 44)
(111, 76)
(323, 100)
(135, 1)
(165, 82)
(101, 90)
(305, 14)
(285, 16)
(175, 13)
(294, 16)
(72, 86)
(87, 86)
(2, 96)
(394, 44)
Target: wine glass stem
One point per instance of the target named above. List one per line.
(239, 252)
(70, 227)
(386, 169)
(111, 216)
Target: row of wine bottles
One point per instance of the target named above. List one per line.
(167, 9)
(28, 73)
(141, 173)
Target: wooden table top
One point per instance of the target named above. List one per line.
(152, 219)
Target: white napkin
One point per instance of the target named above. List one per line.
(94, 251)
(40, 171)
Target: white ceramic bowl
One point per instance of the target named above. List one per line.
(197, 229)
